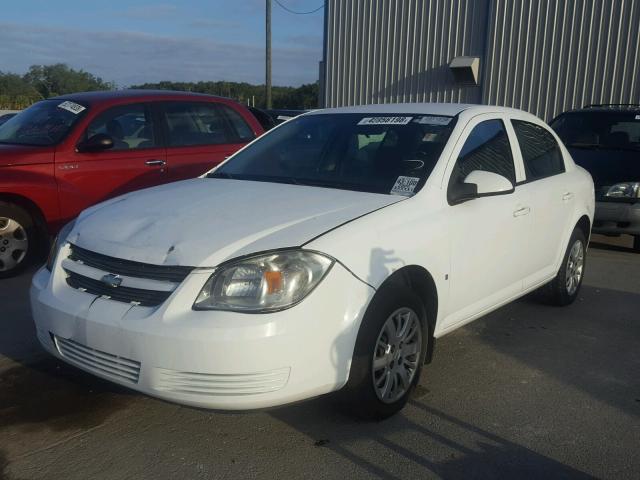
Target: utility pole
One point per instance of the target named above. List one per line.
(268, 56)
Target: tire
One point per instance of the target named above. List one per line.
(360, 395)
(18, 239)
(563, 289)
(636, 243)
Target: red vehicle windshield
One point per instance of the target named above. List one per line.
(44, 123)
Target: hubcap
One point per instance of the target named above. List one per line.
(396, 355)
(13, 243)
(575, 267)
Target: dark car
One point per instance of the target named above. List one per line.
(4, 118)
(64, 154)
(605, 140)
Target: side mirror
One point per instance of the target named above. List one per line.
(479, 183)
(96, 143)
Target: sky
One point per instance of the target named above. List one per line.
(136, 41)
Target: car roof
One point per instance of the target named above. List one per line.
(109, 95)
(604, 108)
(448, 109)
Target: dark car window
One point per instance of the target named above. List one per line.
(129, 126)
(599, 129)
(44, 123)
(392, 153)
(192, 124)
(241, 127)
(540, 151)
(487, 148)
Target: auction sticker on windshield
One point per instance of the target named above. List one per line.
(405, 186)
(72, 107)
(433, 120)
(385, 120)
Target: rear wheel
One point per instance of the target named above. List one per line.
(389, 353)
(564, 288)
(17, 239)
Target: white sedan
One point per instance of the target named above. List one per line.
(327, 255)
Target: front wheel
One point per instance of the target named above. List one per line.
(17, 239)
(389, 353)
(564, 288)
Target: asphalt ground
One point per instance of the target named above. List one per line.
(529, 391)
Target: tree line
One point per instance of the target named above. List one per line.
(45, 81)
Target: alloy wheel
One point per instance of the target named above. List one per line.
(397, 354)
(575, 267)
(14, 244)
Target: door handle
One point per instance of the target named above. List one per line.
(521, 211)
(155, 163)
(567, 196)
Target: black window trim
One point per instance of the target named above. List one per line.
(149, 109)
(549, 131)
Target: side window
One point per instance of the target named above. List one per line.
(192, 124)
(487, 148)
(242, 129)
(540, 152)
(130, 127)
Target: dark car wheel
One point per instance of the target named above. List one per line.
(388, 356)
(636, 243)
(17, 239)
(564, 288)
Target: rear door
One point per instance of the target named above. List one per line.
(551, 199)
(200, 135)
(136, 160)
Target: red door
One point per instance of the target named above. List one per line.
(136, 160)
(200, 135)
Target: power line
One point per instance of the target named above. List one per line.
(298, 13)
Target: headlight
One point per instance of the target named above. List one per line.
(624, 190)
(268, 282)
(58, 242)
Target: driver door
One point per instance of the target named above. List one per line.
(488, 234)
(136, 160)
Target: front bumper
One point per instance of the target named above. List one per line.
(615, 218)
(210, 359)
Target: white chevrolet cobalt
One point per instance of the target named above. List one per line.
(327, 255)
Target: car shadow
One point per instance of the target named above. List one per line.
(440, 444)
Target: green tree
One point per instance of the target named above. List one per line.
(59, 79)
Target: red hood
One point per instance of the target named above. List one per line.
(24, 155)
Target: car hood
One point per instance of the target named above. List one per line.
(608, 166)
(203, 222)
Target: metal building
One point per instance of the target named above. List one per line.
(543, 56)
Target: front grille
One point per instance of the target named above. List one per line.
(170, 273)
(138, 296)
(97, 361)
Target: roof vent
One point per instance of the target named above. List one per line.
(465, 70)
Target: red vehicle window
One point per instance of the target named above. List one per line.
(196, 124)
(130, 127)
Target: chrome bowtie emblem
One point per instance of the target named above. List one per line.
(112, 280)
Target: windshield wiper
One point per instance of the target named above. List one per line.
(256, 178)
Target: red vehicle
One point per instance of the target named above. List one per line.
(67, 153)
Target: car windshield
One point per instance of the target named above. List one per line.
(44, 123)
(599, 130)
(391, 153)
